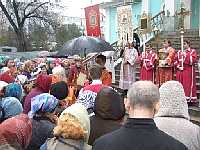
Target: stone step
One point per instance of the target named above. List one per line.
(194, 113)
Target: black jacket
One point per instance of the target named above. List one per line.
(109, 112)
(138, 134)
(42, 129)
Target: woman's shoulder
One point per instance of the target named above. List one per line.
(63, 144)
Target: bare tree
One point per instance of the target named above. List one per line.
(18, 13)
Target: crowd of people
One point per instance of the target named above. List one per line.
(51, 104)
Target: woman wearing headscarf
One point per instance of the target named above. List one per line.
(7, 77)
(72, 131)
(173, 117)
(50, 66)
(13, 90)
(109, 113)
(43, 119)
(9, 107)
(28, 68)
(15, 133)
(42, 85)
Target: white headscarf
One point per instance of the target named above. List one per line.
(173, 101)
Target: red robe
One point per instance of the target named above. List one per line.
(187, 76)
(165, 74)
(147, 65)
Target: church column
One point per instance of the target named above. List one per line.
(145, 6)
(169, 7)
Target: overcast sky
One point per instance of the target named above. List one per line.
(76, 6)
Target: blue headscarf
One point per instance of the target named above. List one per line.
(13, 90)
(43, 102)
(11, 107)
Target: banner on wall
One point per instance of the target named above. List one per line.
(92, 16)
(124, 23)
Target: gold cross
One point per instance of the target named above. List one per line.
(183, 12)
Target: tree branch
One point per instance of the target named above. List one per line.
(34, 10)
(28, 5)
(8, 16)
(16, 11)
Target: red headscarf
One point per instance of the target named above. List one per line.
(16, 130)
(43, 82)
(6, 77)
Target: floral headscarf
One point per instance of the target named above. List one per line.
(44, 103)
(16, 130)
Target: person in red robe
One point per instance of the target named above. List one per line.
(148, 60)
(185, 71)
(166, 56)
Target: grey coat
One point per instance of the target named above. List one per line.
(64, 144)
(173, 117)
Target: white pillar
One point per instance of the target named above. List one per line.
(107, 24)
(145, 6)
(170, 6)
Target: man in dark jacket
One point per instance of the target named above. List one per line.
(109, 112)
(140, 131)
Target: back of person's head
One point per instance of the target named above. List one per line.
(95, 71)
(43, 82)
(74, 123)
(13, 90)
(143, 95)
(10, 107)
(15, 133)
(173, 102)
(59, 90)
(43, 103)
(109, 104)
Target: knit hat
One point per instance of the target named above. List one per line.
(172, 100)
(59, 90)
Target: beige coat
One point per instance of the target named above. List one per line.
(66, 144)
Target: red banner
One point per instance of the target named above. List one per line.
(92, 16)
